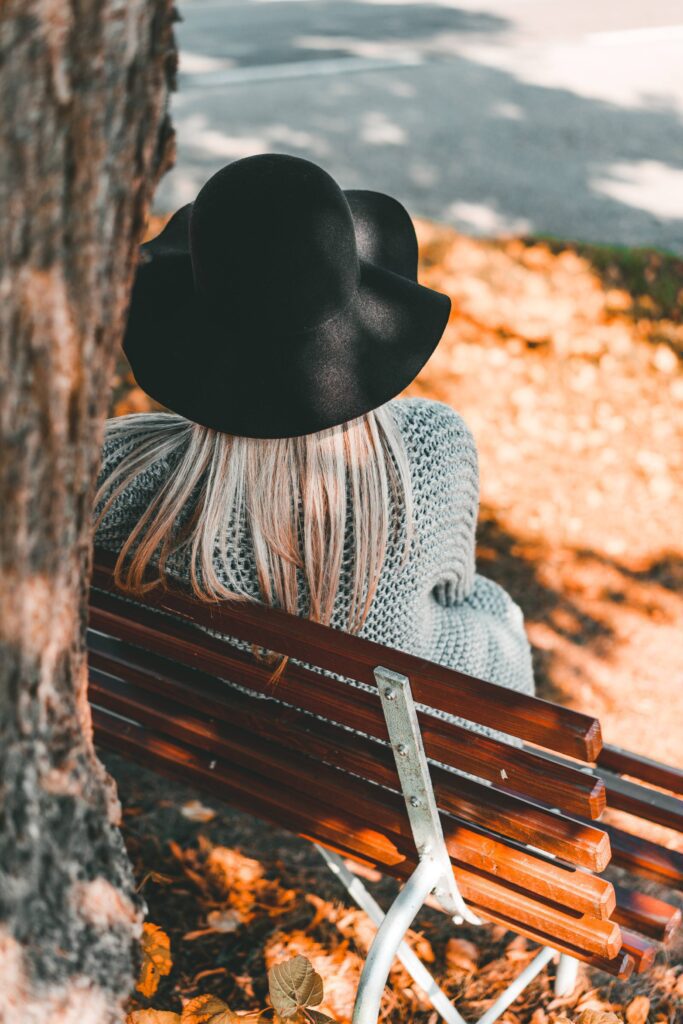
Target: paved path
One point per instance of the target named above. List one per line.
(497, 116)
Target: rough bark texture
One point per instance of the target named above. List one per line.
(84, 136)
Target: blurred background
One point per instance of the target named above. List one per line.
(493, 116)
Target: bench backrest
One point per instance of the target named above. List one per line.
(158, 686)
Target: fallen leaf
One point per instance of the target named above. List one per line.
(152, 1017)
(224, 920)
(598, 1017)
(154, 876)
(195, 810)
(156, 959)
(637, 1010)
(207, 1009)
(294, 985)
(461, 955)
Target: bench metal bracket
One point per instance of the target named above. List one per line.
(434, 874)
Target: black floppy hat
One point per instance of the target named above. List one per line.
(277, 305)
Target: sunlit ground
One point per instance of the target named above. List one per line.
(566, 363)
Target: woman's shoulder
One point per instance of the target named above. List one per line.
(428, 426)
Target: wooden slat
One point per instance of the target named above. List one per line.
(479, 850)
(645, 858)
(513, 818)
(640, 950)
(528, 718)
(624, 762)
(621, 967)
(646, 914)
(563, 786)
(650, 804)
(339, 827)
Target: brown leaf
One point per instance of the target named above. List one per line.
(195, 810)
(637, 1010)
(294, 985)
(598, 1017)
(224, 920)
(156, 959)
(461, 955)
(152, 1017)
(207, 1009)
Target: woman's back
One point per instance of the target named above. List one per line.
(431, 604)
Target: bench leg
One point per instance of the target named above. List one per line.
(412, 963)
(389, 936)
(565, 979)
(516, 987)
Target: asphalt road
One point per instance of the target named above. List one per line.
(498, 116)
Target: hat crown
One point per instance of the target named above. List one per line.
(273, 244)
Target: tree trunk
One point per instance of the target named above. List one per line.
(84, 137)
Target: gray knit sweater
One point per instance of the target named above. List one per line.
(436, 606)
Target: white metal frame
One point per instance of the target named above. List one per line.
(433, 874)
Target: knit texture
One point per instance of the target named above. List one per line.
(435, 606)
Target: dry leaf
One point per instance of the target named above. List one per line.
(598, 1017)
(638, 1010)
(461, 955)
(154, 876)
(152, 1017)
(156, 959)
(224, 920)
(195, 810)
(294, 985)
(207, 1009)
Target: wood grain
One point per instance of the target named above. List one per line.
(477, 700)
(337, 825)
(521, 771)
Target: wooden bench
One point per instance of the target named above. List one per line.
(518, 845)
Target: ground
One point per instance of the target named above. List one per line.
(566, 362)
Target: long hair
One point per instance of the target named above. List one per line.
(298, 497)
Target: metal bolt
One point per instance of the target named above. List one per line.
(402, 749)
(389, 693)
(415, 801)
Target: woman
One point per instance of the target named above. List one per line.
(279, 318)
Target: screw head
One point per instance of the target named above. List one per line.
(415, 801)
(389, 693)
(402, 749)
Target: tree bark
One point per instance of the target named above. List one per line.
(84, 137)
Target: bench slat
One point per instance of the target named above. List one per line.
(650, 804)
(645, 858)
(624, 762)
(641, 952)
(570, 840)
(529, 718)
(481, 851)
(646, 914)
(335, 824)
(562, 786)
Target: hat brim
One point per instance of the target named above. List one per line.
(340, 370)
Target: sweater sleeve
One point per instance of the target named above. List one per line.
(469, 622)
(484, 636)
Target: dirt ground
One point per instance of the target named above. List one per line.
(566, 363)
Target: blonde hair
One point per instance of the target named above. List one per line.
(297, 497)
